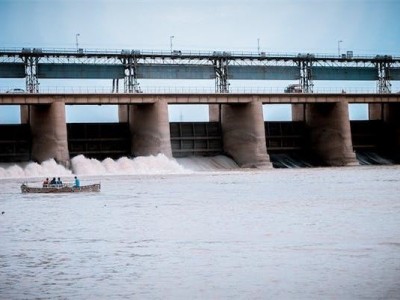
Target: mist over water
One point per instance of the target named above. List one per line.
(80, 165)
(160, 164)
(32, 169)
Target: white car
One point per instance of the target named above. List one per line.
(16, 91)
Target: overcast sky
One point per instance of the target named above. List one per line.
(284, 26)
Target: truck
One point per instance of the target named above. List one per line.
(293, 88)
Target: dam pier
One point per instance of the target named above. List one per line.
(320, 128)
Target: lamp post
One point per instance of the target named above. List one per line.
(258, 45)
(76, 40)
(338, 47)
(170, 41)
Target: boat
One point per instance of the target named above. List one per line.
(64, 188)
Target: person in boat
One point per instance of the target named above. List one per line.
(53, 181)
(46, 182)
(59, 182)
(77, 183)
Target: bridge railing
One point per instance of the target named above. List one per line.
(182, 90)
(175, 53)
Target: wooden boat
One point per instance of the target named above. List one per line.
(61, 188)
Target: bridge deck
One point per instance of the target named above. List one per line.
(206, 98)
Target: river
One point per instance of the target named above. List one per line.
(201, 229)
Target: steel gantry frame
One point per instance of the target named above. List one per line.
(220, 62)
(129, 60)
(306, 79)
(384, 84)
(31, 78)
(221, 78)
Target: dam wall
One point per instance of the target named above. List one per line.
(99, 140)
(196, 139)
(320, 129)
(15, 143)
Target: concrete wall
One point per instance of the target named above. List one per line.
(298, 112)
(244, 134)
(24, 114)
(214, 112)
(375, 111)
(330, 132)
(49, 133)
(149, 125)
(123, 113)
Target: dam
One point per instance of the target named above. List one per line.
(320, 131)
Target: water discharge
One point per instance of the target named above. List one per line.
(149, 165)
(160, 164)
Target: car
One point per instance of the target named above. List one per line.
(15, 91)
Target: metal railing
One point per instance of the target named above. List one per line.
(177, 52)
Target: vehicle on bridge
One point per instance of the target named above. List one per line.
(293, 88)
(15, 91)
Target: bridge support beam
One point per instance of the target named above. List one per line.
(375, 111)
(149, 125)
(24, 114)
(244, 134)
(214, 112)
(123, 113)
(329, 126)
(49, 133)
(298, 112)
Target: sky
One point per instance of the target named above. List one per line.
(366, 27)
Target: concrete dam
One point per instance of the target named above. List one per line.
(320, 133)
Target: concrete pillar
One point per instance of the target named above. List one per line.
(329, 126)
(49, 133)
(123, 113)
(214, 112)
(149, 125)
(244, 134)
(375, 111)
(24, 113)
(298, 112)
(391, 116)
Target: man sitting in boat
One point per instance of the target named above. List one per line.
(46, 182)
(53, 182)
(77, 182)
(59, 182)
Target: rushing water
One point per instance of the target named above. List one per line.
(201, 229)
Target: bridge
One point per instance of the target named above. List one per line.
(197, 98)
(320, 128)
(35, 64)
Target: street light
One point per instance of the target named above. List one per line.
(338, 47)
(258, 45)
(77, 43)
(170, 41)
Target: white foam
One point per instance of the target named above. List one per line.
(159, 164)
(81, 165)
(47, 168)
